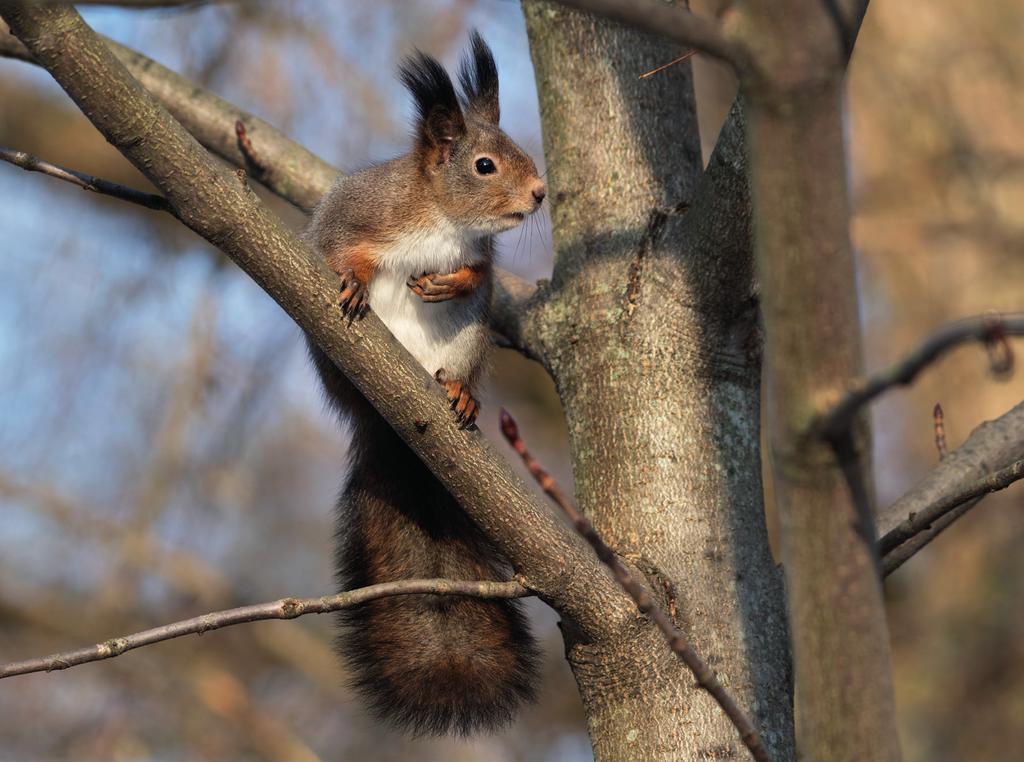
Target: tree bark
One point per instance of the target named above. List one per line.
(650, 330)
(811, 315)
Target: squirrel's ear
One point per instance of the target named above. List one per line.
(439, 118)
(479, 79)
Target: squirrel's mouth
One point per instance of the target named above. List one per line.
(517, 216)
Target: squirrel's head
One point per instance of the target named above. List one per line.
(479, 178)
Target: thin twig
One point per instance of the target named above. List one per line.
(940, 431)
(87, 182)
(684, 57)
(927, 519)
(285, 608)
(987, 328)
(706, 679)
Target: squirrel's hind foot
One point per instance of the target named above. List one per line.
(354, 295)
(460, 400)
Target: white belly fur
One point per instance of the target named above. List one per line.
(447, 335)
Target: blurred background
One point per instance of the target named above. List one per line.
(164, 450)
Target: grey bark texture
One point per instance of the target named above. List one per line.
(649, 327)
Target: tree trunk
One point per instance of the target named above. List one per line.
(650, 331)
(812, 323)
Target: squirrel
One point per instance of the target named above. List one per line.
(413, 240)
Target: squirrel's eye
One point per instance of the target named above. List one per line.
(485, 166)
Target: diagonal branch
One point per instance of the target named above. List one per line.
(32, 163)
(211, 200)
(900, 554)
(285, 608)
(923, 520)
(674, 22)
(296, 174)
(704, 675)
(990, 329)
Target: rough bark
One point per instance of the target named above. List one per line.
(649, 328)
(217, 204)
(811, 317)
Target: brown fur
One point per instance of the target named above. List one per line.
(359, 259)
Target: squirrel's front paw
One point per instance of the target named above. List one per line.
(434, 287)
(461, 401)
(354, 295)
(440, 287)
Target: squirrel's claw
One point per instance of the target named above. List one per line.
(354, 295)
(436, 287)
(460, 400)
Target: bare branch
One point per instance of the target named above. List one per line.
(991, 329)
(923, 520)
(994, 445)
(991, 446)
(705, 677)
(899, 555)
(86, 182)
(513, 306)
(210, 199)
(285, 608)
(674, 22)
(298, 176)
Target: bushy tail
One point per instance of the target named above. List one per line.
(425, 663)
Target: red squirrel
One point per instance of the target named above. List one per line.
(412, 239)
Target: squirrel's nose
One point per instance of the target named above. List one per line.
(540, 192)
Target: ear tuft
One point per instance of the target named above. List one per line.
(439, 117)
(478, 76)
